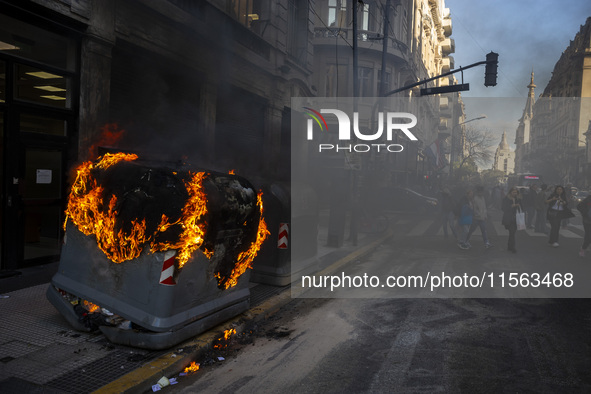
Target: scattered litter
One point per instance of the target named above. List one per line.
(4, 296)
(106, 312)
(156, 387)
(172, 381)
(163, 382)
(183, 374)
(221, 359)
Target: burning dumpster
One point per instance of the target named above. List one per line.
(153, 255)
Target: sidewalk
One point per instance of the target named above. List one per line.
(40, 352)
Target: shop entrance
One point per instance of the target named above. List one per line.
(38, 87)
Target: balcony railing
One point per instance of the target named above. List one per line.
(364, 37)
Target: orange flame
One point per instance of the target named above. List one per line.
(194, 367)
(86, 210)
(245, 258)
(232, 172)
(95, 213)
(191, 221)
(227, 335)
(90, 307)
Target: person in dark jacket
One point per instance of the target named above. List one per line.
(510, 205)
(557, 207)
(585, 208)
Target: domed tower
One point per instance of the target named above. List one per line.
(504, 157)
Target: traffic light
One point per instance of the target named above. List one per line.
(490, 70)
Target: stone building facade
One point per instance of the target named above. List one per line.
(419, 46)
(557, 145)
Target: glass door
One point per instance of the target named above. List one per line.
(41, 196)
(40, 187)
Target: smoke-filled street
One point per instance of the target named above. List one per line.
(419, 344)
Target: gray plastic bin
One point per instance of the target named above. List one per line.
(132, 290)
(165, 304)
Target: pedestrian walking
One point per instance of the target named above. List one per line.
(585, 208)
(480, 214)
(448, 218)
(465, 215)
(510, 206)
(541, 206)
(557, 211)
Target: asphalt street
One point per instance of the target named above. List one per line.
(425, 342)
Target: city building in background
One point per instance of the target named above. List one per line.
(504, 159)
(558, 142)
(522, 135)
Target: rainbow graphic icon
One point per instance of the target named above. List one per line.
(318, 118)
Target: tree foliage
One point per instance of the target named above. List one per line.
(476, 151)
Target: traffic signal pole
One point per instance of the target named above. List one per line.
(490, 74)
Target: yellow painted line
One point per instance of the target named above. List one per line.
(141, 379)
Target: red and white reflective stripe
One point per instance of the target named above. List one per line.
(166, 276)
(283, 235)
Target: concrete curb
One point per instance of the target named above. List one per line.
(169, 364)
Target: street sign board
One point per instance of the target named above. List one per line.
(445, 89)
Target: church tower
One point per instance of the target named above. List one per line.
(522, 134)
(504, 157)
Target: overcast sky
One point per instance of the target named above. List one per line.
(527, 34)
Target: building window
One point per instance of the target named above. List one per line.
(297, 31)
(363, 16)
(48, 88)
(247, 12)
(337, 13)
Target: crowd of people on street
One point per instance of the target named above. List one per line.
(534, 207)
